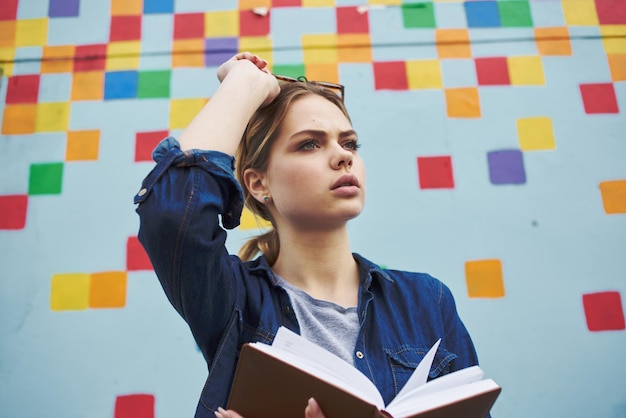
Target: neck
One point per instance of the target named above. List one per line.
(320, 263)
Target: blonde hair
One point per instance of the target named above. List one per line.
(254, 151)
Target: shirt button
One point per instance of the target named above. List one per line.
(287, 309)
(142, 192)
(359, 355)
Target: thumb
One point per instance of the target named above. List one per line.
(313, 410)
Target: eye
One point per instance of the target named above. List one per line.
(309, 144)
(352, 144)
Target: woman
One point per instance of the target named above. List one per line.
(299, 167)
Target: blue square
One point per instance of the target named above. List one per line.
(458, 73)
(506, 167)
(55, 87)
(158, 6)
(482, 14)
(450, 15)
(120, 85)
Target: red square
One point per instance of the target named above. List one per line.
(90, 57)
(286, 3)
(134, 406)
(146, 142)
(252, 24)
(23, 89)
(492, 71)
(603, 311)
(125, 28)
(8, 11)
(599, 98)
(611, 12)
(188, 25)
(390, 75)
(350, 20)
(13, 211)
(435, 172)
(136, 256)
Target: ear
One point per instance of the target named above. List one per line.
(255, 183)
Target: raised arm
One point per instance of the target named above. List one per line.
(246, 84)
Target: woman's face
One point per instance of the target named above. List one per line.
(315, 176)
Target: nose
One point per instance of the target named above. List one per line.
(342, 158)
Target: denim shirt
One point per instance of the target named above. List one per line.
(228, 302)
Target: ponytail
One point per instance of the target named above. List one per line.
(266, 244)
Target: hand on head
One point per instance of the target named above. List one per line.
(246, 58)
(312, 410)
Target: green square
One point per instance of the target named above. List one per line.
(154, 84)
(515, 14)
(289, 70)
(418, 15)
(45, 178)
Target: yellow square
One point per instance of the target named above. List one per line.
(31, 32)
(52, 117)
(318, 3)
(188, 53)
(19, 119)
(463, 102)
(250, 221)
(58, 59)
(580, 12)
(320, 49)
(613, 196)
(386, 2)
(7, 33)
(354, 48)
(182, 111)
(7, 55)
(535, 133)
(69, 292)
(322, 72)
(617, 64)
(221, 24)
(123, 55)
(251, 4)
(260, 45)
(613, 38)
(484, 279)
(526, 71)
(82, 145)
(88, 85)
(108, 290)
(553, 41)
(453, 43)
(126, 7)
(425, 74)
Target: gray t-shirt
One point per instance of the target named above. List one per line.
(325, 323)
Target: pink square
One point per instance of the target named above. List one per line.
(253, 24)
(188, 25)
(125, 28)
(603, 311)
(146, 142)
(90, 57)
(286, 3)
(13, 210)
(134, 406)
(492, 71)
(611, 12)
(599, 98)
(136, 256)
(435, 172)
(390, 75)
(350, 20)
(23, 89)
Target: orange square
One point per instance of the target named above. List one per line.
(82, 145)
(453, 43)
(126, 7)
(88, 85)
(463, 102)
(322, 72)
(553, 41)
(188, 53)
(19, 119)
(251, 4)
(613, 196)
(108, 289)
(58, 59)
(354, 48)
(7, 33)
(617, 64)
(484, 279)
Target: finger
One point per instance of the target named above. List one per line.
(313, 410)
(222, 413)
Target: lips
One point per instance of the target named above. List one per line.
(346, 180)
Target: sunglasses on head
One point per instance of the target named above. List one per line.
(338, 88)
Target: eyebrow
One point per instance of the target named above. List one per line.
(315, 132)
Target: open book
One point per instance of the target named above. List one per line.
(277, 380)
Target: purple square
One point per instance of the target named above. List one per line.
(506, 167)
(63, 8)
(218, 50)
